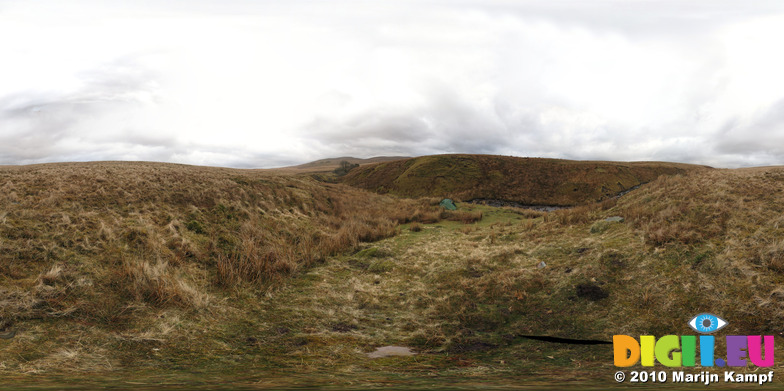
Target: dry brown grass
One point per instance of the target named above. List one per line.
(572, 216)
(106, 239)
(158, 285)
(721, 230)
(425, 216)
(707, 241)
(690, 209)
(527, 213)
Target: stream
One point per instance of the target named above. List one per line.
(541, 208)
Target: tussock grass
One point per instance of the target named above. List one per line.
(571, 216)
(697, 208)
(112, 240)
(157, 284)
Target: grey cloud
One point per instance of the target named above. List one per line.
(762, 135)
(375, 125)
(210, 155)
(119, 81)
(147, 140)
(447, 123)
(451, 123)
(32, 128)
(366, 135)
(41, 126)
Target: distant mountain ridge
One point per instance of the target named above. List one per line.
(531, 181)
(329, 164)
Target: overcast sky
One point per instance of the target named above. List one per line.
(271, 83)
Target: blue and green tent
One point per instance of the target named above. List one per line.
(448, 204)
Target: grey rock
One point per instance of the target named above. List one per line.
(387, 351)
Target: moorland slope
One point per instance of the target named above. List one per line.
(101, 249)
(152, 273)
(329, 164)
(530, 181)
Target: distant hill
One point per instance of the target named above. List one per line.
(533, 181)
(329, 164)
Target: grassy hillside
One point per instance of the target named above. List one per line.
(100, 251)
(328, 165)
(707, 241)
(143, 274)
(531, 181)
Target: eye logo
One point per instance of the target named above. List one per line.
(707, 323)
(674, 350)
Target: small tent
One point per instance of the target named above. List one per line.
(447, 204)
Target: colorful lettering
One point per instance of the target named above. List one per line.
(627, 351)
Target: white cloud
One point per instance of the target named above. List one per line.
(268, 83)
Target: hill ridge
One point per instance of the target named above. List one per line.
(329, 164)
(524, 180)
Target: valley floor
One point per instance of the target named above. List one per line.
(459, 295)
(317, 328)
